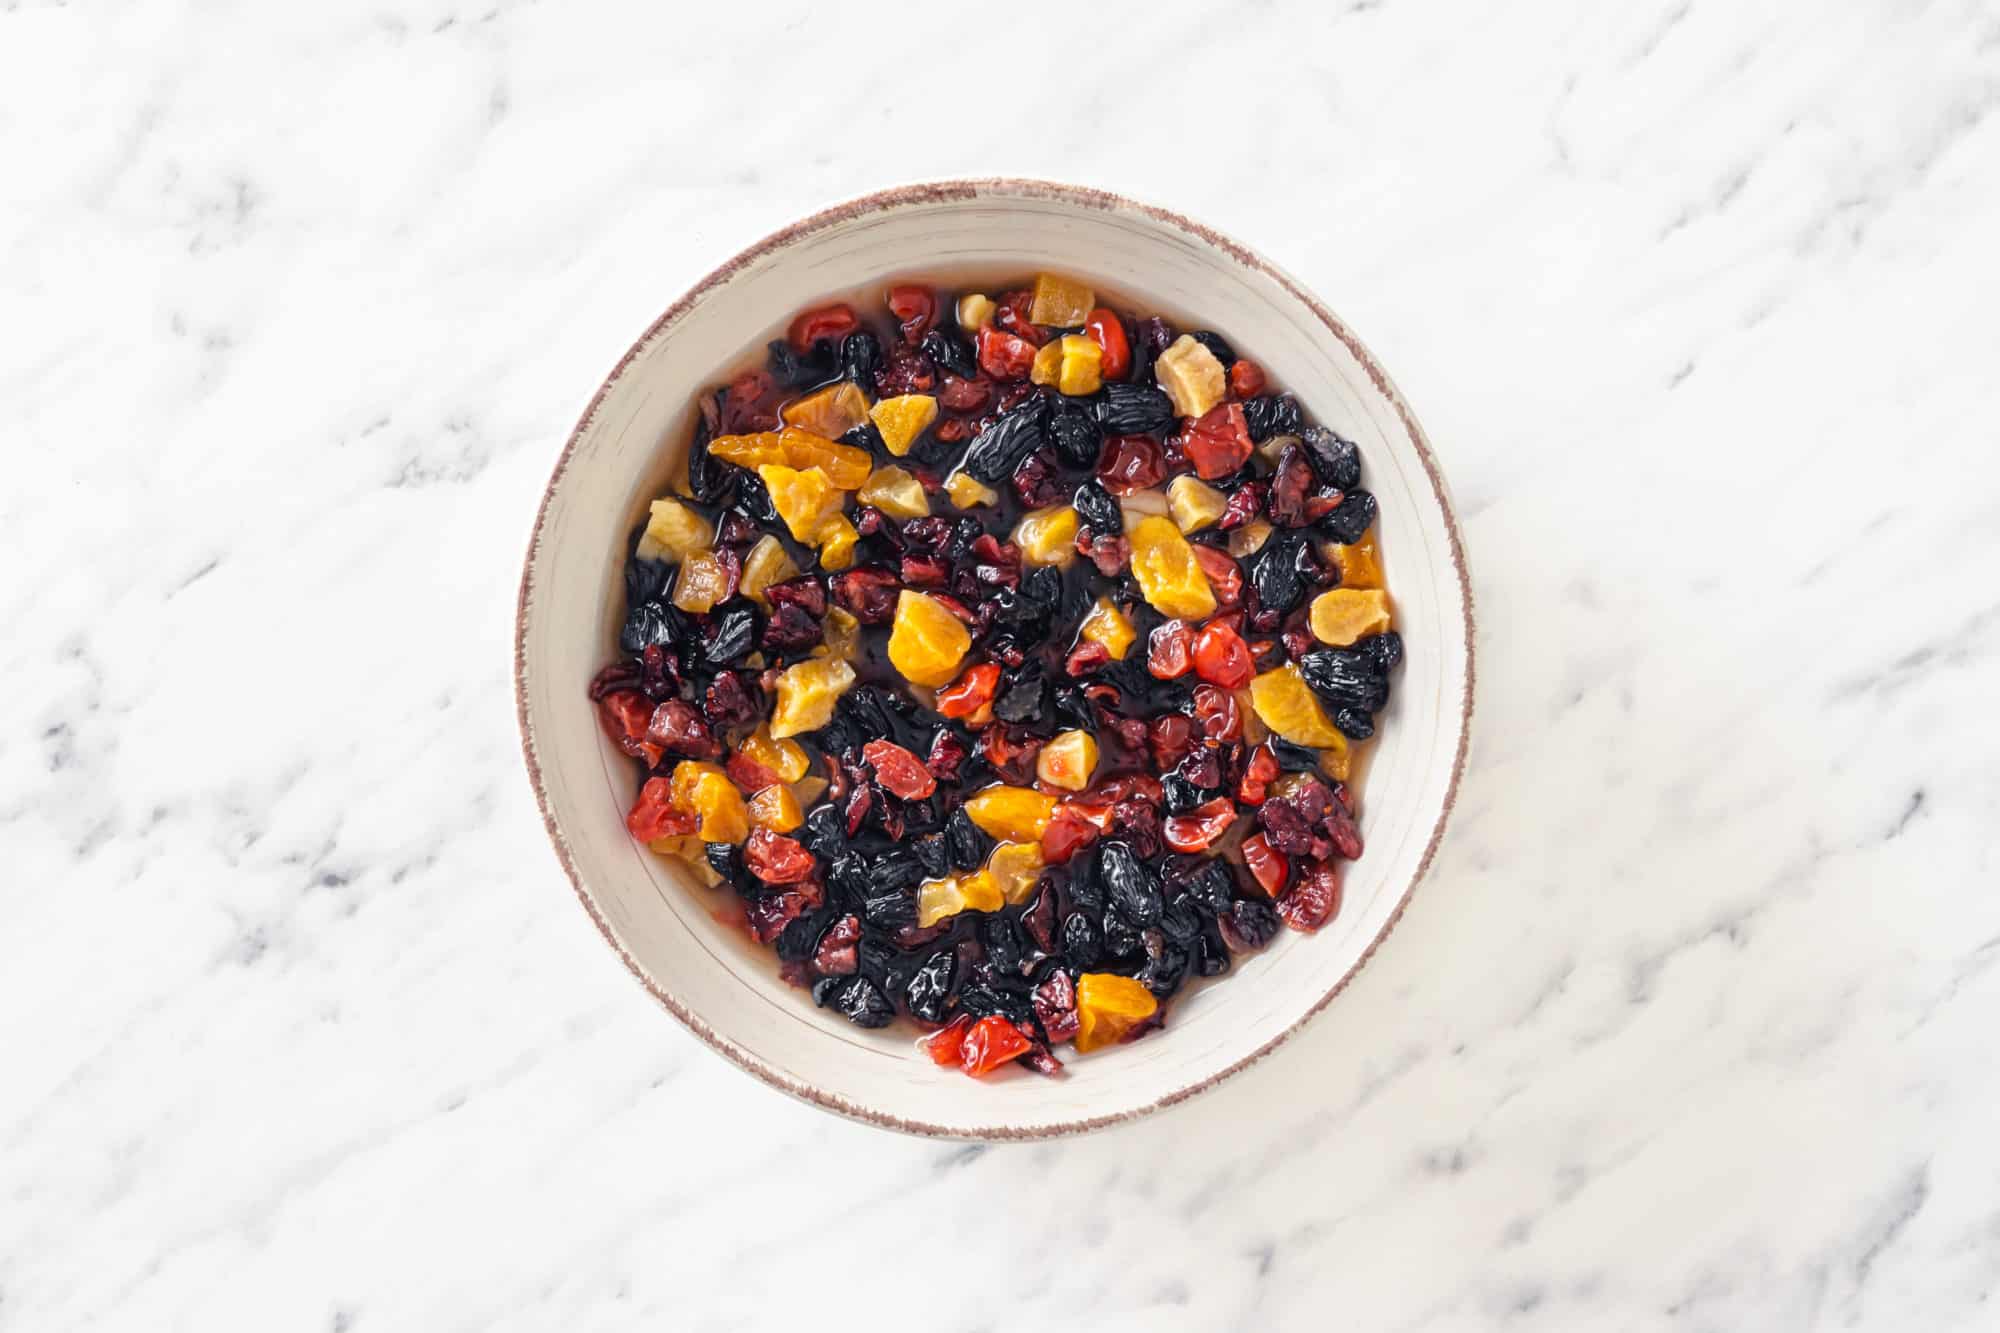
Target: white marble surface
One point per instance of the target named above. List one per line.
(1692, 1027)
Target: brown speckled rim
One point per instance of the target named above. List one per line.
(954, 191)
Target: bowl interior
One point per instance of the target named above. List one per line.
(708, 972)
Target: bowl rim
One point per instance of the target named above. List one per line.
(954, 190)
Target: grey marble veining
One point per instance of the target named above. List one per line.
(1691, 1027)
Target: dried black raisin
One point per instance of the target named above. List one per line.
(1351, 518)
(863, 1004)
(930, 988)
(1133, 409)
(999, 449)
(1077, 439)
(1335, 459)
(1099, 512)
(1271, 414)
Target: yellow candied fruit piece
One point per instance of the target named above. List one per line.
(1342, 615)
(1168, 574)
(1068, 761)
(785, 758)
(837, 539)
(1060, 303)
(1360, 564)
(701, 584)
(804, 499)
(807, 692)
(902, 419)
(1107, 625)
(1016, 867)
(1081, 370)
(1289, 707)
(691, 852)
(1336, 760)
(1108, 1007)
(1191, 376)
(926, 641)
(674, 532)
(680, 786)
(1011, 814)
(720, 806)
(1047, 366)
(776, 809)
(766, 564)
(1047, 536)
(1194, 503)
(938, 899)
(896, 493)
(840, 636)
(1249, 539)
(968, 492)
(844, 465)
(975, 312)
(831, 412)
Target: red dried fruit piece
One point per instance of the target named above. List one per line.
(617, 676)
(833, 321)
(678, 729)
(1199, 827)
(1245, 503)
(838, 954)
(952, 430)
(946, 1045)
(971, 692)
(1290, 484)
(777, 859)
(900, 772)
(1222, 658)
(1258, 775)
(768, 914)
(1169, 649)
(904, 370)
(1215, 709)
(1067, 834)
(1011, 314)
(1109, 554)
(1313, 901)
(859, 799)
(747, 405)
(1346, 838)
(1012, 753)
(729, 702)
(1131, 786)
(1298, 641)
(1170, 737)
(1284, 829)
(1005, 356)
(1225, 576)
(749, 775)
(1085, 658)
(1104, 328)
(1036, 483)
(992, 1042)
(914, 307)
(1131, 463)
(1218, 443)
(1054, 1002)
(869, 593)
(626, 715)
(805, 592)
(947, 755)
(653, 815)
(958, 394)
(1040, 1060)
(1138, 824)
(1267, 865)
(1246, 378)
(925, 571)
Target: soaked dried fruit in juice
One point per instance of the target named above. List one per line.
(840, 636)
(940, 899)
(1246, 378)
(703, 582)
(833, 321)
(807, 692)
(1194, 504)
(968, 492)
(1222, 658)
(902, 419)
(1314, 900)
(1011, 814)
(1196, 830)
(1047, 536)
(1360, 563)
(837, 540)
(1219, 442)
(653, 815)
(1191, 376)
(1060, 303)
(1343, 615)
(829, 413)
(1168, 574)
(1047, 364)
(1130, 463)
(927, 641)
(975, 312)
(776, 859)
(776, 808)
(674, 532)
(1015, 867)
(990, 1043)
(1105, 624)
(1104, 328)
(1170, 650)
(1079, 368)
(767, 563)
(804, 499)
(915, 309)
(716, 803)
(1289, 707)
(787, 759)
(1068, 761)
(900, 772)
(896, 493)
(1005, 356)
(1108, 1007)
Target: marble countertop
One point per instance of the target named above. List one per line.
(1692, 1026)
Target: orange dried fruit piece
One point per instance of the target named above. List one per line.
(1249, 539)
(902, 419)
(1011, 814)
(896, 493)
(1047, 366)
(1081, 368)
(926, 641)
(701, 583)
(1194, 503)
(939, 899)
(975, 312)
(680, 786)
(805, 499)
(674, 532)
(785, 758)
(767, 563)
(1047, 536)
(1016, 867)
(1068, 761)
(1289, 707)
(1360, 564)
(968, 492)
(1108, 1007)
(1060, 303)
(1191, 376)
(807, 692)
(844, 465)
(776, 809)
(831, 412)
(837, 539)
(706, 792)
(840, 636)
(1168, 574)
(1339, 616)
(1107, 625)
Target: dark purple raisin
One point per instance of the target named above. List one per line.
(1351, 518)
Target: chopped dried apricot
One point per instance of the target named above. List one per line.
(786, 758)
(1289, 707)
(840, 636)
(1194, 504)
(927, 641)
(807, 692)
(1108, 1007)
(776, 808)
(701, 584)
(1342, 615)
(896, 493)
(1168, 574)
(674, 532)
(1360, 563)
(831, 412)
(1105, 624)
(1191, 376)
(1011, 814)
(1015, 868)
(844, 465)
(767, 563)
(837, 540)
(968, 492)
(902, 419)
(1060, 303)
(1047, 536)
(1068, 761)
(1046, 368)
(939, 899)
(714, 800)
(1079, 369)
(804, 499)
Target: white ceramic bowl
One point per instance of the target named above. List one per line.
(711, 976)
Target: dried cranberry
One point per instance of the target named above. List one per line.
(729, 702)
(790, 630)
(659, 672)
(1313, 901)
(1266, 863)
(678, 729)
(905, 370)
(1224, 575)
(627, 716)
(1284, 829)
(1169, 650)
(860, 798)
(1289, 487)
(768, 914)
(1035, 481)
(1345, 836)
(1258, 774)
(652, 815)
(1005, 356)
(1109, 554)
(833, 321)
(1067, 833)
(1171, 736)
(1298, 641)
(838, 953)
(899, 771)
(746, 404)
(1138, 823)
(1011, 314)
(618, 676)
(1131, 463)
(1055, 1006)
(1085, 658)
(1039, 920)
(1218, 442)
(952, 430)
(776, 859)
(804, 592)
(915, 307)
(947, 755)
(957, 394)
(1011, 752)
(735, 529)
(1201, 767)
(925, 571)
(1245, 503)
(868, 593)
